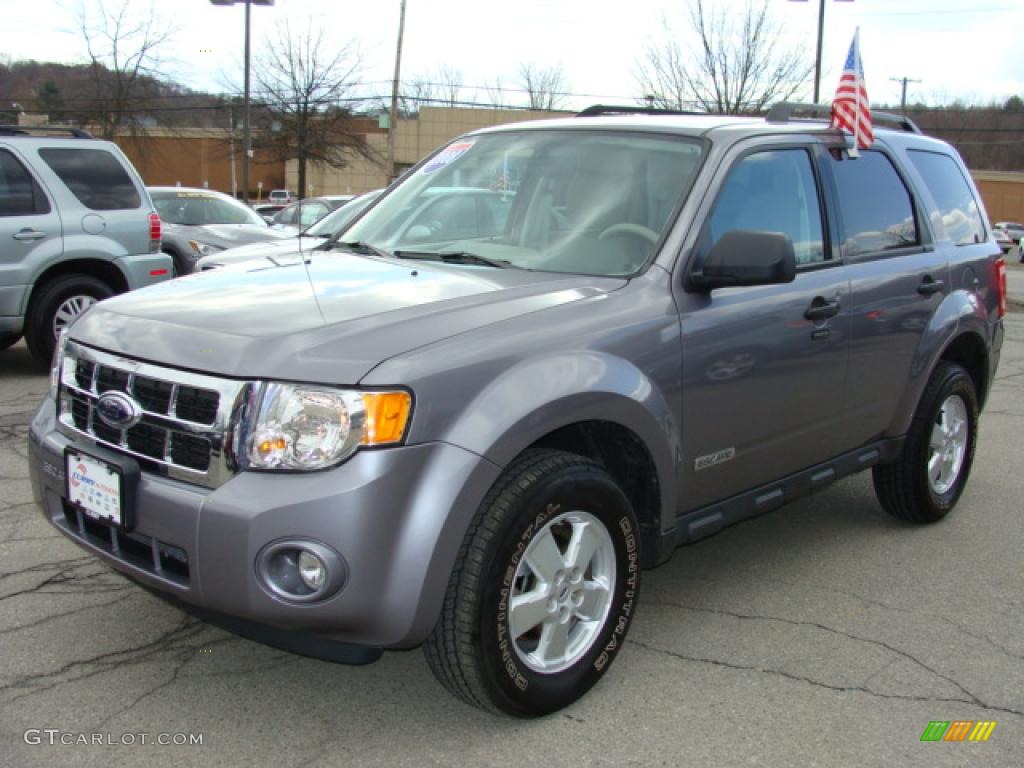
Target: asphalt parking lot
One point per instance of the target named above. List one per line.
(824, 634)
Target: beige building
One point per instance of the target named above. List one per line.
(415, 138)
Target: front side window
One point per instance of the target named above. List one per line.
(876, 210)
(196, 209)
(772, 191)
(577, 201)
(20, 195)
(958, 217)
(95, 177)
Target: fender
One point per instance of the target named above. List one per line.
(960, 313)
(542, 395)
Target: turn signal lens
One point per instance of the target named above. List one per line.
(387, 414)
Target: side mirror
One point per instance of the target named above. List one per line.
(744, 257)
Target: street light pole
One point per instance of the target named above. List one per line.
(246, 131)
(393, 122)
(817, 58)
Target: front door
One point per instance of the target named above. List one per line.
(764, 367)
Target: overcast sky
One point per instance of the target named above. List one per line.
(967, 49)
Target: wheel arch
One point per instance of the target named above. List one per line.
(100, 269)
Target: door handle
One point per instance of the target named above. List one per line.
(930, 285)
(28, 234)
(822, 309)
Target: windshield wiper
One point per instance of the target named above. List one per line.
(454, 257)
(358, 246)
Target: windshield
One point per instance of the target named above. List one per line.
(194, 209)
(337, 220)
(563, 201)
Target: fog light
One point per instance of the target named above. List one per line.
(312, 571)
(300, 571)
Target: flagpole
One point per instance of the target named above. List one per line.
(855, 152)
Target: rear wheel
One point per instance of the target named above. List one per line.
(925, 484)
(55, 306)
(543, 591)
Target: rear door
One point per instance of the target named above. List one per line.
(898, 278)
(764, 367)
(30, 232)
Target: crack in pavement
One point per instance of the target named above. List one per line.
(63, 614)
(971, 697)
(186, 629)
(818, 683)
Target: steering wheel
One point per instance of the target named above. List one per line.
(626, 228)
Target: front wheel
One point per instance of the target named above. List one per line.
(926, 482)
(55, 306)
(544, 588)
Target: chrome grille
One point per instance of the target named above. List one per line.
(191, 427)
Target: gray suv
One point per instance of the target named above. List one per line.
(76, 226)
(471, 426)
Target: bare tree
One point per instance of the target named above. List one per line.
(496, 93)
(123, 43)
(544, 86)
(305, 84)
(443, 87)
(737, 65)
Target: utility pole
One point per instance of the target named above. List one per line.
(393, 123)
(817, 57)
(903, 93)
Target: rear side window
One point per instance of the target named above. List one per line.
(876, 209)
(95, 177)
(773, 191)
(20, 195)
(958, 209)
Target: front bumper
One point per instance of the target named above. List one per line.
(397, 517)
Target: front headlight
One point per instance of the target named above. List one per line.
(203, 249)
(305, 427)
(58, 362)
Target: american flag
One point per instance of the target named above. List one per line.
(851, 110)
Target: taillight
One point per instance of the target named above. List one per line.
(1001, 285)
(154, 233)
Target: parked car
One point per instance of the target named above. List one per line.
(305, 213)
(1011, 228)
(76, 226)
(472, 431)
(267, 211)
(330, 226)
(280, 197)
(201, 222)
(1003, 239)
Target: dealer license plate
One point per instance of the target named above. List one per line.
(95, 487)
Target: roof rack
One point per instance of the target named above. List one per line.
(783, 113)
(606, 109)
(28, 130)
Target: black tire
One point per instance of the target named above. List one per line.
(8, 341)
(48, 298)
(470, 650)
(903, 487)
(181, 264)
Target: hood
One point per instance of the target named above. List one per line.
(330, 320)
(227, 235)
(278, 249)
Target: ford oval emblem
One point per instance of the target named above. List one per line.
(118, 410)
